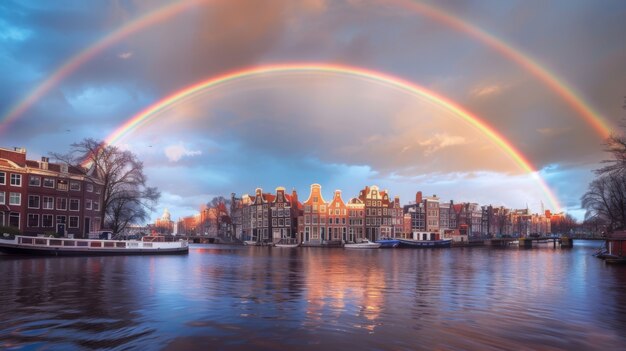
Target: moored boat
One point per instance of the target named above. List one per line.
(286, 243)
(424, 244)
(149, 245)
(364, 244)
(388, 243)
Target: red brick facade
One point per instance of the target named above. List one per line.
(39, 197)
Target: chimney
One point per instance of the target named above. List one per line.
(294, 198)
(418, 197)
(44, 163)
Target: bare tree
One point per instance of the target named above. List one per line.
(606, 200)
(126, 198)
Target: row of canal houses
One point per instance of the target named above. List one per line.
(373, 214)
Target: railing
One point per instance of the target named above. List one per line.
(96, 244)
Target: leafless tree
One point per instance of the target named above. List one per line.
(606, 200)
(126, 198)
(564, 225)
(216, 217)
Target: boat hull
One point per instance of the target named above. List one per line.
(388, 243)
(288, 246)
(424, 244)
(12, 250)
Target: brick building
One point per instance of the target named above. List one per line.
(337, 218)
(255, 217)
(315, 217)
(39, 196)
(356, 220)
(376, 208)
(284, 215)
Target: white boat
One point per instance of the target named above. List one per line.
(287, 243)
(364, 244)
(149, 245)
(250, 243)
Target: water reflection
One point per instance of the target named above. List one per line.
(310, 298)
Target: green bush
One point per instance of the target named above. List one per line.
(9, 230)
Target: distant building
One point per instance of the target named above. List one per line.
(189, 226)
(424, 213)
(38, 196)
(164, 225)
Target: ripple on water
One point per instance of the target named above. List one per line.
(310, 299)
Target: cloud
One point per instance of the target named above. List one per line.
(486, 90)
(125, 55)
(177, 151)
(440, 141)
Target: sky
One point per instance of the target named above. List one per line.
(82, 69)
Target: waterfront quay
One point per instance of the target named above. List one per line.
(237, 297)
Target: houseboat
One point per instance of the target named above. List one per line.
(149, 245)
(615, 250)
(424, 240)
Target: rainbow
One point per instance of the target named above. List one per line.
(161, 14)
(558, 85)
(149, 19)
(152, 111)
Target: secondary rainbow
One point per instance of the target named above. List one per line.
(152, 111)
(149, 19)
(560, 87)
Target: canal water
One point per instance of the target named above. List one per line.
(241, 298)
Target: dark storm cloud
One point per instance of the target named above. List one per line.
(581, 42)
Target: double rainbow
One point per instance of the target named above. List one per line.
(152, 112)
(166, 12)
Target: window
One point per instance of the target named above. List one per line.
(61, 220)
(75, 186)
(61, 203)
(2, 198)
(74, 204)
(46, 221)
(97, 190)
(33, 201)
(48, 182)
(48, 203)
(3, 179)
(33, 220)
(15, 199)
(14, 220)
(62, 185)
(89, 187)
(16, 180)
(34, 180)
(88, 203)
